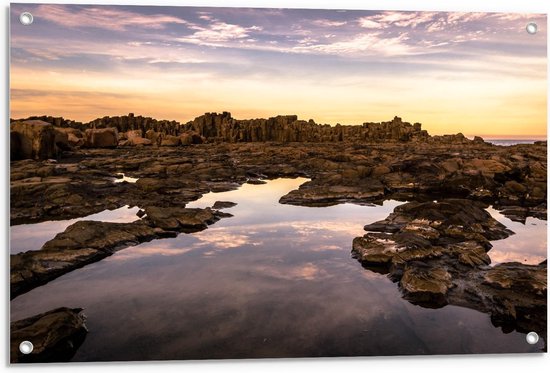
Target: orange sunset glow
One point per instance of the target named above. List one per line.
(475, 73)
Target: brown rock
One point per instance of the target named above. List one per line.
(180, 219)
(136, 141)
(170, 141)
(426, 285)
(56, 335)
(101, 138)
(33, 139)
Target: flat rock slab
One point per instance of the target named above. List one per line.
(56, 335)
(85, 242)
(220, 205)
(181, 219)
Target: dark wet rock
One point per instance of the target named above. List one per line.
(181, 219)
(426, 285)
(101, 236)
(437, 253)
(82, 243)
(317, 193)
(56, 335)
(340, 172)
(85, 242)
(33, 139)
(219, 205)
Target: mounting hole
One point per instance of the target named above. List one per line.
(26, 347)
(26, 18)
(532, 338)
(531, 28)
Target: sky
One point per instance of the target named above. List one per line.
(475, 73)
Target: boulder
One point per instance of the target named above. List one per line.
(61, 139)
(170, 140)
(190, 138)
(56, 335)
(136, 141)
(75, 137)
(155, 137)
(133, 134)
(101, 138)
(34, 139)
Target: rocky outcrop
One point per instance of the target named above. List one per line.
(287, 128)
(85, 242)
(214, 127)
(32, 139)
(437, 253)
(56, 335)
(101, 138)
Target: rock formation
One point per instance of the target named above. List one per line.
(56, 335)
(85, 242)
(437, 253)
(101, 138)
(214, 127)
(34, 139)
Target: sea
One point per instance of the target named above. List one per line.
(510, 142)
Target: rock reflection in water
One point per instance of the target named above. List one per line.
(273, 281)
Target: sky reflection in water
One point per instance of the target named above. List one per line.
(27, 237)
(273, 281)
(527, 245)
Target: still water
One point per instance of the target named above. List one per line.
(27, 237)
(272, 281)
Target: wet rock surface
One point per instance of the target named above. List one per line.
(220, 205)
(437, 253)
(56, 335)
(85, 242)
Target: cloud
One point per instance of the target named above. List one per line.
(366, 22)
(398, 19)
(104, 17)
(218, 32)
(369, 44)
(328, 23)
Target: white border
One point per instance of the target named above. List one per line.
(445, 364)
